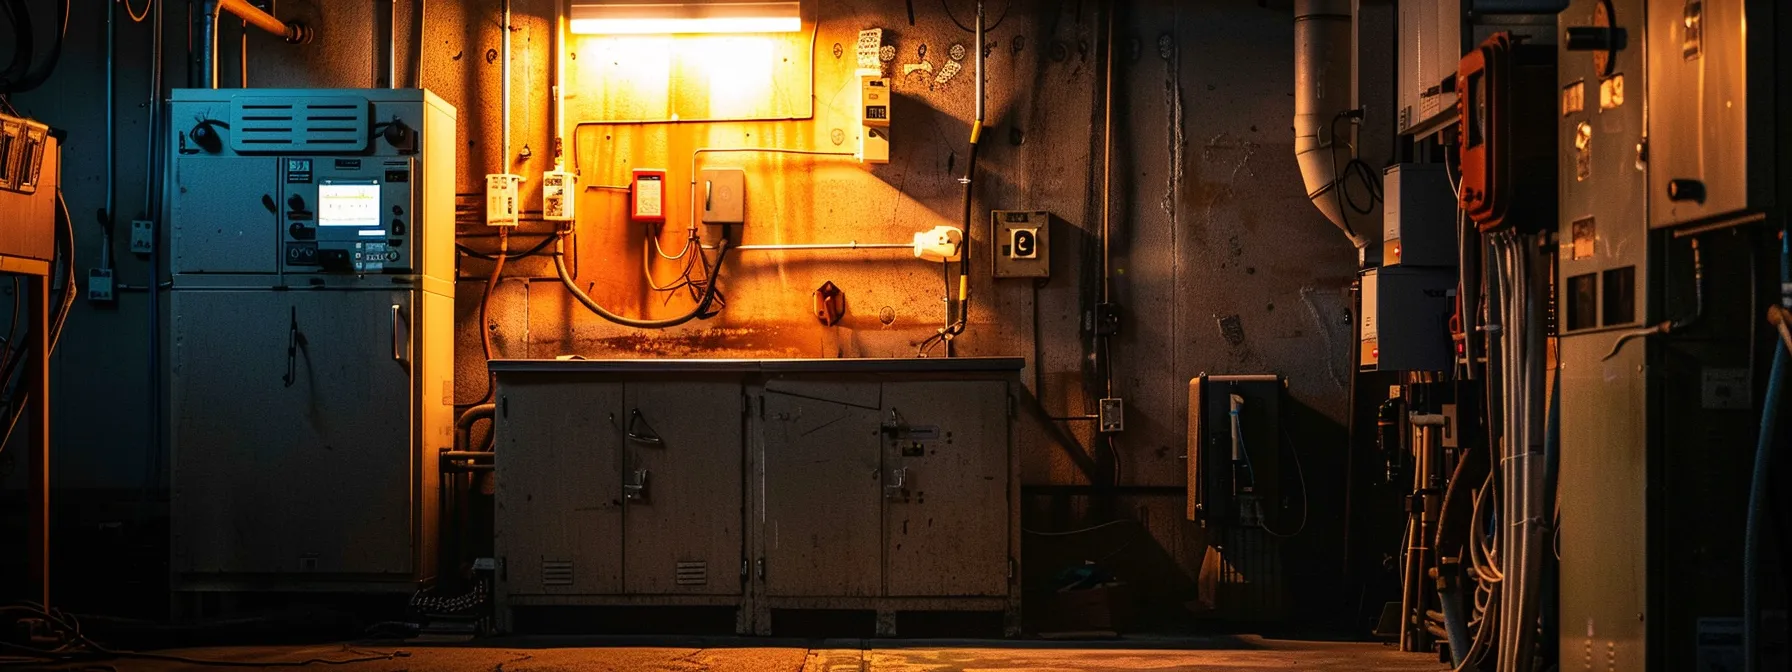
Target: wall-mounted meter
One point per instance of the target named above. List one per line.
(501, 199)
(647, 196)
(1022, 243)
(874, 119)
(558, 196)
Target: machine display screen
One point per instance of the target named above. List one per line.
(348, 205)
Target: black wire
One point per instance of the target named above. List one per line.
(538, 249)
(944, 4)
(33, 80)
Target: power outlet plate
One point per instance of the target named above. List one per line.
(1020, 241)
(143, 236)
(1112, 416)
(99, 286)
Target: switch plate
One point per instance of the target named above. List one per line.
(99, 285)
(1021, 242)
(143, 236)
(874, 119)
(1112, 416)
(724, 192)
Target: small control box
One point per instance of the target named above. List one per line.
(1406, 319)
(647, 196)
(1022, 243)
(874, 119)
(724, 195)
(558, 196)
(501, 199)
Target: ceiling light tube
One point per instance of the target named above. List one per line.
(600, 17)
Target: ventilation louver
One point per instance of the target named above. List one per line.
(693, 573)
(556, 572)
(309, 124)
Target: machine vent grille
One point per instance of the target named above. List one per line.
(693, 573)
(556, 572)
(299, 124)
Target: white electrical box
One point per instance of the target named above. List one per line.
(558, 196)
(874, 119)
(501, 199)
(647, 196)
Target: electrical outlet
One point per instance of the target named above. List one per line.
(99, 285)
(143, 236)
(1022, 243)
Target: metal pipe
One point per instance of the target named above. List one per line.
(560, 44)
(392, 43)
(418, 27)
(111, 135)
(1322, 65)
(291, 31)
(504, 95)
(849, 245)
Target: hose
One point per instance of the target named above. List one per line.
(463, 425)
(1757, 487)
(701, 310)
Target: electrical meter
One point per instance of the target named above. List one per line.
(647, 196)
(501, 199)
(558, 196)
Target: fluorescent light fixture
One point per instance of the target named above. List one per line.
(601, 17)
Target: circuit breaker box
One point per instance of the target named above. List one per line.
(1406, 319)
(310, 353)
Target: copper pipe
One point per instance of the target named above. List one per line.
(291, 31)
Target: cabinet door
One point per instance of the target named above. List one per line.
(946, 489)
(294, 432)
(218, 225)
(822, 488)
(682, 488)
(559, 494)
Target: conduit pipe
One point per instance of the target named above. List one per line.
(291, 31)
(1322, 92)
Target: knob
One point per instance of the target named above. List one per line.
(1595, 38)
(295, 203)
(206, 137)
(1686, 190)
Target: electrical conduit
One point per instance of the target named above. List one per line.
(1757, 489)
(1322, 65)
(291, 31)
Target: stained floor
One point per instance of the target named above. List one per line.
(745, 655)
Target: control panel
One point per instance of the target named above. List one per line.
(346, 214)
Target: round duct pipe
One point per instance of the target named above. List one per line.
(1322, 92)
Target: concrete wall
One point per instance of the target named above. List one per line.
(1219, 262)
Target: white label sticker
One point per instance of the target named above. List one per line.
(870, 40)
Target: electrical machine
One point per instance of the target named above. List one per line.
(310, 352)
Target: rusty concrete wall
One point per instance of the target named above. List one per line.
(1220, 264)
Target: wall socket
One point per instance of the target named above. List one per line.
(99, 286)
(1112, 416)
(143, 236)
(1021, 243)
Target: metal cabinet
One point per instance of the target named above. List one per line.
(871, 485)
(682, 500)
(946, 509)
(559, 490)
(294, 419)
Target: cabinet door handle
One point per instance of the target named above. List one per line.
(398, 344)
(649, 436)
(637, 490)
(894, 490)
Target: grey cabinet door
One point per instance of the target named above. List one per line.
(823, 531)
(559, 491)
(946, 526)
(219, 226)
(293, 463)
(682, 507)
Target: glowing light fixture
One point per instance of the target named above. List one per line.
(607, 17)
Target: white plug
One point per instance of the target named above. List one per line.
(940, 244)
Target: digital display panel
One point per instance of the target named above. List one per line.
(348, 205)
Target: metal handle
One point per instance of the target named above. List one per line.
(708, 194)
(638, 489)
(398, 344)
(651, 437)
(894, 490)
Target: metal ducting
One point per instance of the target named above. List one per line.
(1322, 92)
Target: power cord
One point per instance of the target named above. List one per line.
(79, 648)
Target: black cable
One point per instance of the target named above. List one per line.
(538, 249)
(944, 4)
(702, 310)
(33, 80)
(23, 50)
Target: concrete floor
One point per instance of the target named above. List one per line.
(853, 655)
